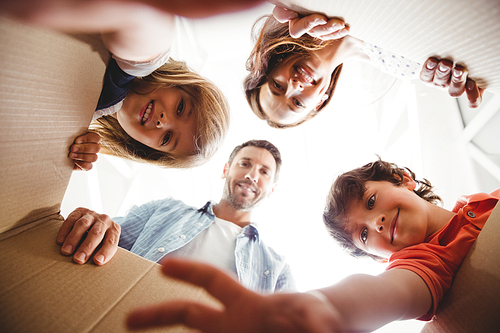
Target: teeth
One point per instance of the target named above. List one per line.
(304, 73)
(148, 111)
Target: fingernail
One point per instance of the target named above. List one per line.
(99, 258)
(320, 21)
(443, 67)
(74, 148)
(80, 257)
(78, 141)
(430, 64)
(68, 249)
(457, 73)
(73, 155)
(469, 85)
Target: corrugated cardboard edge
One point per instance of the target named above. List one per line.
(473, 302)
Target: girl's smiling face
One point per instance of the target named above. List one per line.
(295, 87)
(388, 218)
(163, 119)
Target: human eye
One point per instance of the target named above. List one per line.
(371, 202)
(180, 107)
(298, 103)
(166, 138)
(278, 86)
(363, 235)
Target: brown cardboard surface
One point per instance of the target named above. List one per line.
(49, 86)
(473, 302)
(466, 31)
(47, 292)
(44, 82)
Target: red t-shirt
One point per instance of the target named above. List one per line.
(437, 259)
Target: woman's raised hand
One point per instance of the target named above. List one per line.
(316, 25)
(442, 74)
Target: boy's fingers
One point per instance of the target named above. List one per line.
(458, 79)
(218, 283)
(282, 14)
(442, 74)
(191, 314)
(300, 26)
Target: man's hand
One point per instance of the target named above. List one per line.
(442, 74)
(95, 230)
(316, 25)
(84, 151)
(244, 311)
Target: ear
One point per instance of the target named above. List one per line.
(272, 189)
(409, 182)
(225, 171)
(323, 100)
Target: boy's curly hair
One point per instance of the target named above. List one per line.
(350, 187)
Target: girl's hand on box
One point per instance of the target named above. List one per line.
(442, 74)
(316, 25)
(84, 151)
(91, 230)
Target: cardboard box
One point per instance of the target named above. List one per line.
(49, 86)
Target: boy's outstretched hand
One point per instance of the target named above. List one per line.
(91, 230)
(84, 151)
(442, 73)
(243, 310)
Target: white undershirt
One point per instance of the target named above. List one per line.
(214, 245)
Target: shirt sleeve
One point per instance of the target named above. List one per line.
(142, 68)
(285, 281)
(391, 63)
(133, 223)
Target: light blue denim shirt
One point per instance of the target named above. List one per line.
(157, 228)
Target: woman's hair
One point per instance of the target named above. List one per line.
(272, 45)
(211, 112)
(350, 187)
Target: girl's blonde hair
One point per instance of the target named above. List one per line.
(210, 109)
(272, 45)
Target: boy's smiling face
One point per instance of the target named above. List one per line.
(388, 218)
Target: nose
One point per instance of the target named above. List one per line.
(296, 84)
(252, 175)
(162, 120)
(380, 223)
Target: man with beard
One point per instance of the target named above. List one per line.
(220, 234)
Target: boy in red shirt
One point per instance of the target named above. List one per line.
(378, 210)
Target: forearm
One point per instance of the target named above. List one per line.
(131, 30)
(367, 302)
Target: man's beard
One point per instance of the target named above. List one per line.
(240, 202)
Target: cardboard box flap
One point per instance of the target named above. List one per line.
(49, 91)
(466, 31)
(473, 301)
(47, 292)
